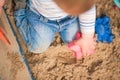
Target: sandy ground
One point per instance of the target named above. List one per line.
(58, 62)
(11, 63)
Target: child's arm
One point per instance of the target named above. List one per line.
(1, 4)
(87, 21)
(87, 26)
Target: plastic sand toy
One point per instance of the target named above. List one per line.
(103, 30)
(3, 37)
(76, 48)
(117, 3)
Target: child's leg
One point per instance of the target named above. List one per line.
(35, 31)
(70, 28)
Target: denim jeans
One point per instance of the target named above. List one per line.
(38, 32)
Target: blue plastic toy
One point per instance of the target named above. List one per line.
(117, 3)
(103, 30)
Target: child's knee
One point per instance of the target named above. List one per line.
(38, 49)
(68, 40)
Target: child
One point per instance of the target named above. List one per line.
(41, 19)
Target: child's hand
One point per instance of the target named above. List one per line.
(1, 5)
(86, 43)
(83, 45)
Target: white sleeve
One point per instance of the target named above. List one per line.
(87, 21)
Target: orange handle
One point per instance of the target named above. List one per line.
(3, 37)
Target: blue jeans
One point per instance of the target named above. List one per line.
(38, 32)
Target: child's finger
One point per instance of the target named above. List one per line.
(91, 51)
(92, 47)
(84, 52)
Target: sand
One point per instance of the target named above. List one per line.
(11, 63)
(58, 62)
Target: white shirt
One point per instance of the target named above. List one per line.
(49, 9)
